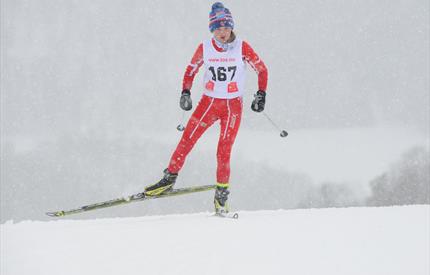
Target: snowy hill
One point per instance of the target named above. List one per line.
(90, 91)
(365, 241)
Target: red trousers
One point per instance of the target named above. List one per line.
(209, 110)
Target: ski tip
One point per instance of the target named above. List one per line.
(55, 214)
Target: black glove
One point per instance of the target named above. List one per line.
(185, 101)
(259, 101)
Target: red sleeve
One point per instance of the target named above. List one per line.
(257, 64)
(193, 68)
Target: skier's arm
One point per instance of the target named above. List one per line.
(193, 68)
(250, 56)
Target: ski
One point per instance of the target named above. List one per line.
(227, 215)
(129, 199)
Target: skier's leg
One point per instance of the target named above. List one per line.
(230, 123)
(202, 118)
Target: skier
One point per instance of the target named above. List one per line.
(223, 57)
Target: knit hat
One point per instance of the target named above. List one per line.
(219, 17)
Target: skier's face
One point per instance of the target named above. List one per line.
(222, 34)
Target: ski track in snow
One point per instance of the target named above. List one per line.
(365, 241)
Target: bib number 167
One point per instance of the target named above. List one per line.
(221, 73)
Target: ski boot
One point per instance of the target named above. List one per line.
(220, 200)
(164, 185)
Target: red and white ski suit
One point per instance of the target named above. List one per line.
(222, 99)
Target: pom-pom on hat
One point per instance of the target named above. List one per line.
(220, 16)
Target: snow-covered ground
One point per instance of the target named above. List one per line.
(365, 241)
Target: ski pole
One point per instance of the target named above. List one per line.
(181, 127)
(283, 133)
